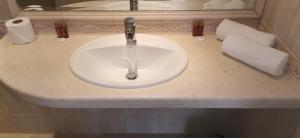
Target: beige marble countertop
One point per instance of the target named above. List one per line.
(39, 72)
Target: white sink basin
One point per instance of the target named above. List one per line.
(103, 61)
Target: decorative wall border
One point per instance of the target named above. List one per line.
(118, 28)
(142, 26)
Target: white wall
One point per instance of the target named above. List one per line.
(4, 10)
(283, 18)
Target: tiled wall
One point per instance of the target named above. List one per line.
(272, 123)
(283, 18)
(142, 26)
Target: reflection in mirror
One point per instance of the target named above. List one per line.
(126, 5)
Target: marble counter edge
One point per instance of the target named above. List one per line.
(153, 102)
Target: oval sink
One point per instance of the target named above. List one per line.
(104, 61)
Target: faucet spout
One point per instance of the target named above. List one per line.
(129, 23)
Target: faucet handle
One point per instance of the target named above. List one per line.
(129, 23)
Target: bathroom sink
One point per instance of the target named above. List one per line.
(104, 61)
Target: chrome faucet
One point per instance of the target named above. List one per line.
(131, 43)
(129, 23)
(133, 5)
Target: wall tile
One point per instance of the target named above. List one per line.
(3, 106)
(292, 39)
(142, 121)
(15, 104)
(200, 121)
(7, 124)
(282, 18)
(25, 135)
(270, 123)
(87, 121)
(297, 133)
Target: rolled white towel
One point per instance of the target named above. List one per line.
(264, 58)
(228, 27)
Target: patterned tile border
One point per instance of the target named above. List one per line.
(144, 27)
(116, 28)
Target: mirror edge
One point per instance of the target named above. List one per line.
(140, 15)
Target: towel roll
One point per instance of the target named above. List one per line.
(228, 27)
(264, 58)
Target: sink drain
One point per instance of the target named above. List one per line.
(131, 76)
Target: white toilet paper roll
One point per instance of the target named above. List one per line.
(264, 58)
(20, 30)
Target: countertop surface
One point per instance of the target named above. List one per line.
(39, 72)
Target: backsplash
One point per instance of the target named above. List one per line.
(142, 26)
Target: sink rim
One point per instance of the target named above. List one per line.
(129, 84)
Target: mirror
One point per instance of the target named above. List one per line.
(132, 5)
